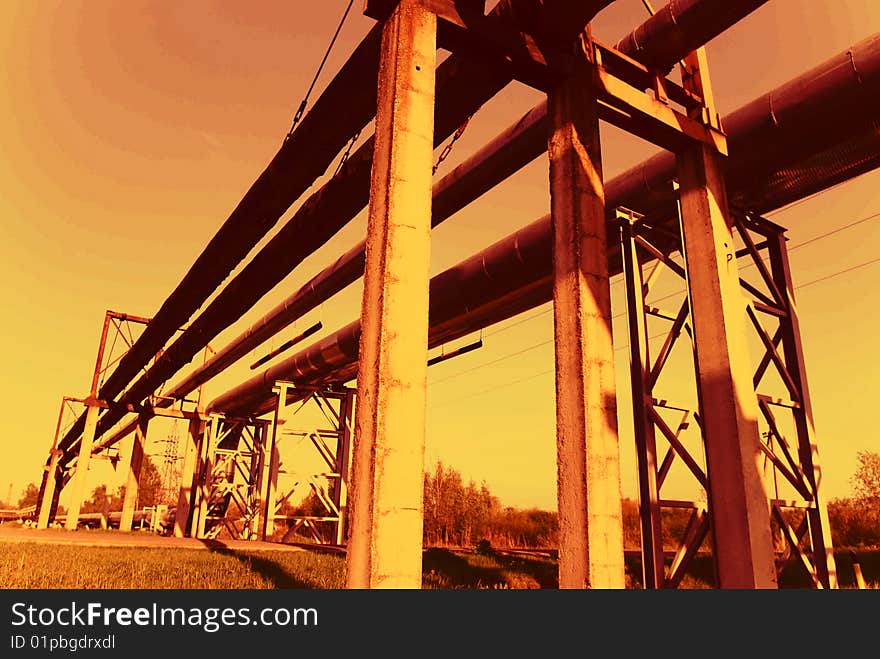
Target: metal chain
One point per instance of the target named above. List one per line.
(347, 153)
(448, 148)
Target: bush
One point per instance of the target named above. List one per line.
(854, 523)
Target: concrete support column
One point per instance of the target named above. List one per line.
(135, 462)
(184, 497)
(737, 500)
(47, 495)
(590, 514)
(385, 546)
(78, 483)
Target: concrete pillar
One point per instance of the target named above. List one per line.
(590, 511)
(737, 500)
(48, 491)
(78, 483)
(135, 462)
(184, 497)
(385, 546)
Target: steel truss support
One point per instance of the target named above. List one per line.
(332, 443)
(50, 485)
(226, 480)
(78, 484)
(789, 441)
(58, 472)
(236, 472)
(788, 459)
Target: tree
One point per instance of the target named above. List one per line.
(455, 513)
(150, 485)
(29, 496)
(866, 480)
(101, 500)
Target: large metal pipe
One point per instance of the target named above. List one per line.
(816, 113)
(516, 270)
(463, 86)
(502, 157)
(648, 183)
(684, 25)
(676, 30)
(302, 158)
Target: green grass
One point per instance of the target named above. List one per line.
(35, 565)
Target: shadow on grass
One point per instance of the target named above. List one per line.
(270, 570)
(444, 569)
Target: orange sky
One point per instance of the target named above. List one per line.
(129, 130)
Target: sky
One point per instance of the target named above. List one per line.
(130, 130)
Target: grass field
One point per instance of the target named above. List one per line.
(33, 565)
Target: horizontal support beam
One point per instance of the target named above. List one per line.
(650, 119)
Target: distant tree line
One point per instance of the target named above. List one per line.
(461, 515)
(856, 521)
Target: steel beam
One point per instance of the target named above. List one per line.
(78, 482)
(653, 571)
(590, 514)
(385, 547)
(343, 463)
(47, 492)
(49, 480)
(808, 451)
(202, 477)
(195, 428)
(270, 465)
(133, 473)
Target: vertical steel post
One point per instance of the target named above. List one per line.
(50, 474)
(78, 482)
(737, 500)
(271, 463)
(808, 450)
(588, 483)
(343, 460)
(643, 425)
(133, 477)
(188, 470)
(385, 548)
(47, 494)
(202, 480)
